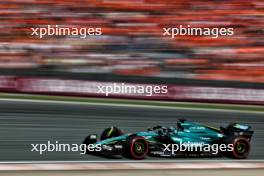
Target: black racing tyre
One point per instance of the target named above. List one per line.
(110, 133)
(91, 139)
(241, 148)
(136, 147)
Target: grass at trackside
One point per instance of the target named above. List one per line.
(135, 102)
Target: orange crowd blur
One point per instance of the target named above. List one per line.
(132, 42)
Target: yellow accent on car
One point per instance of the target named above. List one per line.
(110, 132)
(212, 127)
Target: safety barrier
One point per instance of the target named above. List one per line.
(52, 86)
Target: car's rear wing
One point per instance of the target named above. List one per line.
(237, 129)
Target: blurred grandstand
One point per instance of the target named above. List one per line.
(132, 43)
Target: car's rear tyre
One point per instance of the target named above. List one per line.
(110, 133)
(136, 147)
(241, 148)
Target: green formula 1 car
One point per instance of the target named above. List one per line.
(186, 139)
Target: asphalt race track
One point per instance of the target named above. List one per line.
(24, 123)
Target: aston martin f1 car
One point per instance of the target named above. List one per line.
(232, 141)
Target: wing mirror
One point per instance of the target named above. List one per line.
(157, 127)
(179, 127)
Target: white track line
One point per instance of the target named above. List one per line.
(129, 105)
(140, 161)
(131, 166)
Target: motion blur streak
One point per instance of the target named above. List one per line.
(132, 43)
(23, 123)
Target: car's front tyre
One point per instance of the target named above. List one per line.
(136, 147)
(90, 139)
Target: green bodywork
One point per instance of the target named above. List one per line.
(191, 132)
